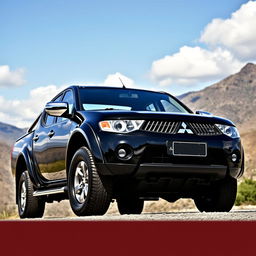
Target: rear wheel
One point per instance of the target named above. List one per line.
(88, 194)
(220, 198)
(130, 205)
(29, 206)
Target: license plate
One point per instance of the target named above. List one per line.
(189, 148)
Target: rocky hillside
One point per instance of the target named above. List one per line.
(9, 133)
(6, 180)
(234, 98)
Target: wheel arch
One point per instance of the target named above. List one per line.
(23, 163)
(81, 138)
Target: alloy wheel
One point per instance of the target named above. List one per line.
(81, 182)
(23, 196)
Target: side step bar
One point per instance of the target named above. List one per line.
(50, 191)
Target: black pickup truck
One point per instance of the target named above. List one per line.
(92, 145)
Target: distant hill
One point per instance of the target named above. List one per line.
(234, 98)
(7, 200)
(9, 133)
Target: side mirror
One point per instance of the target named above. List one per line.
(203, 113)
(56, 108)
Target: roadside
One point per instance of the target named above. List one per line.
(156, 210)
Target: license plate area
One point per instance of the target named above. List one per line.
(198, 149)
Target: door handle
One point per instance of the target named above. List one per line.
(35, 139)
(51, 133)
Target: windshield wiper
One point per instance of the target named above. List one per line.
(99, 109)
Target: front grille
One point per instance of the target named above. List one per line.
(161, 126)
(204, 129)
(170, 127)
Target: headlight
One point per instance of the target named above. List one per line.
(230, 131)
(121, 126)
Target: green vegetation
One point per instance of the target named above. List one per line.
(246, 193)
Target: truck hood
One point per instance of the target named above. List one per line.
(92, 116)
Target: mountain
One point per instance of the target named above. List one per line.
(7, 201)
(9, 133)
(234, 98)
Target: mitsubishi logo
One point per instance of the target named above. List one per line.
(184, 129)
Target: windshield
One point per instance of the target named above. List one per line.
(126, 99)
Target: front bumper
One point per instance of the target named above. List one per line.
(167, 169)
(151, 157)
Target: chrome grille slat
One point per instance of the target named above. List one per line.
(169, 123)
(146, 127)
(155, 127)
(199, 128)
(176, 127)
(209, 128)
(195, 128)
(206, 129)
(164, 124)
(159, 127)
(172, 127)
(151, 125)
(203, 129)
(170, 130)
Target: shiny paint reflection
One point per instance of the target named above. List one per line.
(50, 152)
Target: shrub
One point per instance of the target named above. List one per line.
(246, 193)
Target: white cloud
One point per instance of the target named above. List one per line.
(113, 80)
(194, 64)
(236, 33)
(11, 78)
(23, 112)
(229, 44)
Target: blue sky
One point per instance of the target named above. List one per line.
(62, 42)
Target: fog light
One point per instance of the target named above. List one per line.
(234, 157)
(121, 153)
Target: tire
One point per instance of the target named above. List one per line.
(221, 197)
(88, 195)
(130, 205)
(29, 206)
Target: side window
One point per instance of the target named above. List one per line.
(151, 107)
(47, 119)
(169, 107)
(69, 98)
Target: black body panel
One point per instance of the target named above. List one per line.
(154, 167)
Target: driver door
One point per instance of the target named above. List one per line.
(41, 142)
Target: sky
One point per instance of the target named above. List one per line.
(173, 45)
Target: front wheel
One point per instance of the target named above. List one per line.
(220, 198)
(88, 193)
(130, 205)
(29, 206)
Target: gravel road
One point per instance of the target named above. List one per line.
(234, 215)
